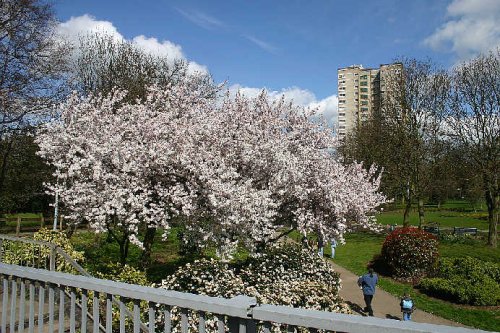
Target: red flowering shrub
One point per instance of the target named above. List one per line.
(410, 253)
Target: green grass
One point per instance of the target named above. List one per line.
(99, 251)
(360, 249)
(24, 215)
(457, 205)
(11, 224)
(445, 218)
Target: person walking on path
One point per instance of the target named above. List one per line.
(367, 284)
(407, 307)
(333, 245)
(320, 247)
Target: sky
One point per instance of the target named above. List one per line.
(291, 47)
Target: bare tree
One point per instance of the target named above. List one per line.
(104, 63)
(32, 64)
(474, 121)
(411, 111)
(402, 135)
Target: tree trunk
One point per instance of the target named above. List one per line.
(406, 215)
(5, 158)
(421, 213)
(124, 244)
(148, 244)
(493, 203)
(124, 251)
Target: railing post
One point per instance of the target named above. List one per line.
(251, 326)
(18, 226)
(52, 258)
(1, 249)
(233, 324)
(240, 325)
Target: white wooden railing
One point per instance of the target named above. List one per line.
(43, 300)
(166, 311)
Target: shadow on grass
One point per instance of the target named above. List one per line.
(161, 270)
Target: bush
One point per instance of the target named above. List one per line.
(288, 274)
(459, 239)
(32, 255)
(410, 253)
(282, 275)
(126, 274)
(466, 281)
(205, 277)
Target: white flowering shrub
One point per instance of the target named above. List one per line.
(287, 274)
(206, 277)
(284, 274)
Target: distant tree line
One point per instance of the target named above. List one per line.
(436, 135)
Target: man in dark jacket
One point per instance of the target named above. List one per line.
(367, 283)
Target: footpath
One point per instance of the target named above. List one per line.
(384, 304)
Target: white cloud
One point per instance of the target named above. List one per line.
(328, 106)
(262, 44)
(76, 27)
(473, 27)
(201, 19)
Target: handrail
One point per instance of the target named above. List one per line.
(56, 249)
(242, 307)
(26, 240)
(236, 307)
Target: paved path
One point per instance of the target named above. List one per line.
(384, 304)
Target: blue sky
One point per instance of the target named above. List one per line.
(292, 47)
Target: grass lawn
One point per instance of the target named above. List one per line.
(11, 224)
(445, 218)
(99, 251)
(23, 215)
(360, 249)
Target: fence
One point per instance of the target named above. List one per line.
(30, 223)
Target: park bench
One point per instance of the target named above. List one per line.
(464, 231)
(432, 228)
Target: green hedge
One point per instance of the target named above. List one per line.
(466, 281)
